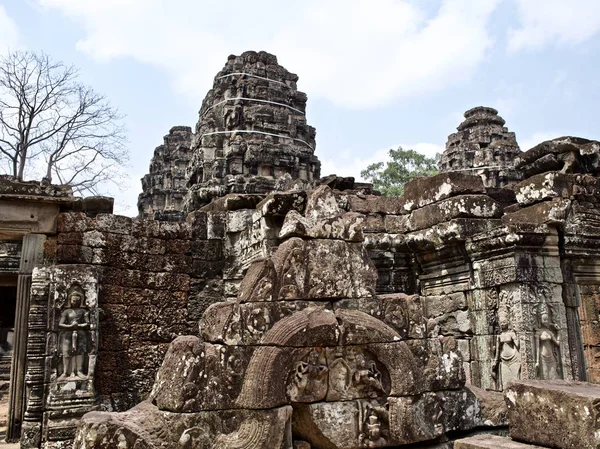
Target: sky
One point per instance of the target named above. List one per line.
(378, 73)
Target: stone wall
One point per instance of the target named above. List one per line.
(155, 280)
(303, 298)
(305, 354)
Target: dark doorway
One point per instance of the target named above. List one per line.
(8, 302)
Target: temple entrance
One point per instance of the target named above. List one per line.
(589, 320)
(8, 301)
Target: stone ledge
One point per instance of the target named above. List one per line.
(560, 414)
(488, 441)
(422, 191)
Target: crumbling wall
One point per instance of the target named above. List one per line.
(155, 280)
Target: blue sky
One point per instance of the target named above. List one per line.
(378, 73)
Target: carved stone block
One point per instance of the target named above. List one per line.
(558, 414)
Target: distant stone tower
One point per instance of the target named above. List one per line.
(163, 188)
(484, 146)
(251, 132)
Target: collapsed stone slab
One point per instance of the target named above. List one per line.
(488, 441)
(428, 190)
(558, 414)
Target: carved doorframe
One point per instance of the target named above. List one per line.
(581, 275)
(31, 255)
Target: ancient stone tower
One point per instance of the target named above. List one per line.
(163, 188)
(484, 146)
(252, 130)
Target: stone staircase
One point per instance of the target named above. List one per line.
(546, 414)
(5, 367)
(5, 360)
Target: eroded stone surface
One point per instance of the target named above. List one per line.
(491, 442)
(163, 188)
(483, 146)
(554, 413)
(252, 135)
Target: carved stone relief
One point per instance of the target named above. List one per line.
(308, 382)
(547, 345)
(74, 337)
(74, 340)
(507, 360)
(355, 373)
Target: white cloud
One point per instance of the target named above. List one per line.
(355, 53)
(347, 165)
(546, 21)
(9, 33)
(537, 137)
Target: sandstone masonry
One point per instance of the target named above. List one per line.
(260, 306)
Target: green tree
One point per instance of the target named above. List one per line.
(389, 177)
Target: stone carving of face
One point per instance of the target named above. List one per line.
(545, 318)
(76, 299)
(313, 357)
(503, 319)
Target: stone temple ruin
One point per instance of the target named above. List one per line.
(253, 304)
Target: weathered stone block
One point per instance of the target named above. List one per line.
(199, 376)
(372, 204)
(548, 212)
(198, 221)
(473, 206)
(343, 424)
(549, 185)
(438, 368)
(233, 202)
(116, 224)
(422, 191)
(558, 414)
(280, 203)
(395, 224)
(492, 407)
(75, 254)
(404, 313)
(488, 441)
(74, 222)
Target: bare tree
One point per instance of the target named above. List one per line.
(55, 127)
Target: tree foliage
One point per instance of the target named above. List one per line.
(389, 177)
(54, 127)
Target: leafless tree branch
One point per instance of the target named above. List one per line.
(48, 118)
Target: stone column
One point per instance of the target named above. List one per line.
(31, 255)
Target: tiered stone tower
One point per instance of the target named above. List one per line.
(163, 188)
(252, 130)
(484, 146)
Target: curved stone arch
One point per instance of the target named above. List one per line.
(259, 432)
(293, 337)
